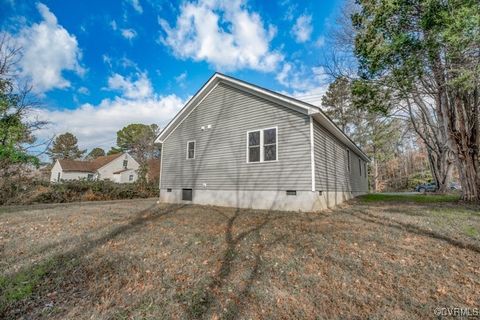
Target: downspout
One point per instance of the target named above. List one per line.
(312, 153)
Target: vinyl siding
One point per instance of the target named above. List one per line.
(221, 152)
(331, 172)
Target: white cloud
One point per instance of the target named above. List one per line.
(129, 34)
(136, 5)
(48, 50)
(113, 25)
(107, 60)
(304, 83)
(181, 77)
(96, 125)
(302, 30)
(83, 90)
(132, 89)
(320, 42)
(225, 34)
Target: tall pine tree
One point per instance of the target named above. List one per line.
(65, 147)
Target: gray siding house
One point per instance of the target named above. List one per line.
(236, 144)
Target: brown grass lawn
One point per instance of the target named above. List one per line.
(138, 260)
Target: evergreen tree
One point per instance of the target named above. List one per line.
(95, 153)
(65, 147)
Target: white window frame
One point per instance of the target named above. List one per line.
(194, 149)
(262, 146)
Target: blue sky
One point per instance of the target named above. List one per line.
(99, 65)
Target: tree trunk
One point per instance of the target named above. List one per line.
(441, 168)
(375, 171)
(463, 132)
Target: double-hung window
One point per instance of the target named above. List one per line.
(191, 150)
(262, 145)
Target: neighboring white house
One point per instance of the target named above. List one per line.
(120, 168)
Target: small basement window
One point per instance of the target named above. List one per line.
(187, 194)
(291, 192)
(169, 189)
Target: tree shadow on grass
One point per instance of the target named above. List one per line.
(203, 299)
(17, 288)
(391, 223)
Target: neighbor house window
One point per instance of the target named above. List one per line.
(58, 177)
(191, 150)
(130, 177)
(125, 163)
(348, 160)
(90, 176)
(262, 145)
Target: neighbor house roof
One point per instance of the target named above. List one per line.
(295, 104)
(87, 166)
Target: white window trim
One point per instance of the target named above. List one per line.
(194, 149)
(262, 160)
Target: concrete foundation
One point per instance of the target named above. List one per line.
(271, 200)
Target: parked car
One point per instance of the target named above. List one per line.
(426, 187)
(455, 186)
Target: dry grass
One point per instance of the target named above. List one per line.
(137, 260)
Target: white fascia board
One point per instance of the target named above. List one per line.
(184, 111)
(200, 95)
(269, 95)
(281, 99)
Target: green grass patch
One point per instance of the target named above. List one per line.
(471, 231)
(21, 285)
(414, 198)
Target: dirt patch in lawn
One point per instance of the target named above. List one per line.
(136, 259)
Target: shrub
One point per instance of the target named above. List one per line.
(32, 191)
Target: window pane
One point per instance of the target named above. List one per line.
(270, 136)
(254, 154)
(254, 138)
(270, 152)
(191, 150)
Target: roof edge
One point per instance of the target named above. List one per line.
(287, 101)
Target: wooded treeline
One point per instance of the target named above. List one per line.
(406, 88)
